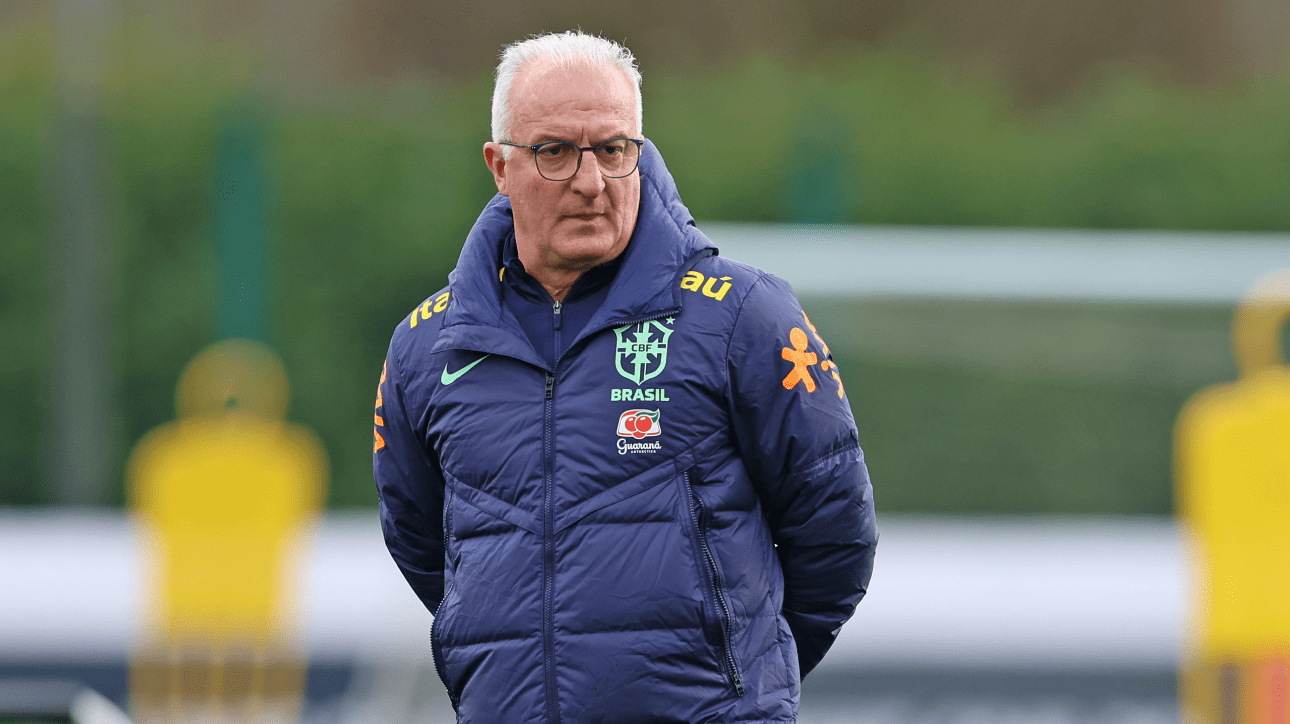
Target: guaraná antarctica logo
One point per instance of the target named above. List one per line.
(637, 425)
(641, 354)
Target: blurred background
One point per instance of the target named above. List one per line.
(1022, 225)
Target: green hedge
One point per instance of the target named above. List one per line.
(373, 189)
(26, 97)
(988, 407)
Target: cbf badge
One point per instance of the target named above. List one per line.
(641, 352)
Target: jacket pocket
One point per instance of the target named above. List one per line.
(436, 623)
(698, 516)
(436, 648)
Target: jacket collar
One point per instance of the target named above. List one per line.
(646, 286)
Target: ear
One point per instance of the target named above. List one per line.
(497, 165)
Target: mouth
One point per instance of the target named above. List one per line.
(584, 217)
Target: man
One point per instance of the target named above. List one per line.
(619, 468)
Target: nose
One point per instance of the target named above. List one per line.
(588, 181)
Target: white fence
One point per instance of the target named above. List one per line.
(1007, 264)
(1084, 593)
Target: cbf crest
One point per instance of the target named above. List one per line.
(641, 352)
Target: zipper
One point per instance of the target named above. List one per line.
(589, 331)
(557, 321)
(434, 645)
(548, 517)
(674, 311)
(548, 520)
(548, 548)
(698, 518)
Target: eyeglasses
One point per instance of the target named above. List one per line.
(560, 160)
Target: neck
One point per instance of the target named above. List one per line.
(557, 283)
(557, 279)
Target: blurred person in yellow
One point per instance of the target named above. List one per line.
(1233, 477)
(224, 493)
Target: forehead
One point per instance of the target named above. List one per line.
(551, 102)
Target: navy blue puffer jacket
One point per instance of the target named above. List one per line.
(669, 525)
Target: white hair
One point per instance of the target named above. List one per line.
(564, 50)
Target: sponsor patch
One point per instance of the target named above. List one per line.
(694, 281)
(637, 448)
(426, 311)
(378, 441)
(801, 359)
(828, 365)
(639, 424)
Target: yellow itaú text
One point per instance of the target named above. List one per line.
(425, 311)
(694, 281)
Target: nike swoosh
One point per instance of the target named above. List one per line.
(450, 377)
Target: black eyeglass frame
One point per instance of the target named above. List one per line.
(581, 150)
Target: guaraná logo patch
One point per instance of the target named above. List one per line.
(639, 424)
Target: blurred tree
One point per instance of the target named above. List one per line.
(239, 199)
(82, 448)
(370, 189)
(1044, 48)
(824, 175)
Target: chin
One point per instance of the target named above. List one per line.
(584, 249)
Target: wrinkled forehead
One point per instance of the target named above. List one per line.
(554, 98)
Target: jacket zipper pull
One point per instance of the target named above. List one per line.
(556, 308)
(550, 382)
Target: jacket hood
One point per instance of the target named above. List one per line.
(663, 245)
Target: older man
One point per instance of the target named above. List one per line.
(620, 469)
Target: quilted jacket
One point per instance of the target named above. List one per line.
(669, 524)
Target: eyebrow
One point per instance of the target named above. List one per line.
(546, 137)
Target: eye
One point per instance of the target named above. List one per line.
(613, 147)
(553, 150)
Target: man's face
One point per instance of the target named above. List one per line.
(572, 225)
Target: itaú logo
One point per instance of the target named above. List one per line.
(639, 424)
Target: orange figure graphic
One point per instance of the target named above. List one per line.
(1233, 483)
(801, 359)
(224, 494)
(815, 333)
(378, 441)
(827, 365)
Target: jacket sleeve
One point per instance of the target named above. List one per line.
(410, 486)
(798, 440)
